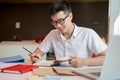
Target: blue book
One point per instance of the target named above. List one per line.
(12, 59)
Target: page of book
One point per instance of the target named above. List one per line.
(51, 62)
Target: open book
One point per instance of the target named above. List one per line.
(51, 62)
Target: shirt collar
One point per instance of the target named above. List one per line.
(74, 33)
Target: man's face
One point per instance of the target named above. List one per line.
(61, 21)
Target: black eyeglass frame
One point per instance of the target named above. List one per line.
(60, 21)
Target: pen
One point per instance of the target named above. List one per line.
(27, 50)
(30, 52)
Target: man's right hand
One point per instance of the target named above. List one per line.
(35, 57)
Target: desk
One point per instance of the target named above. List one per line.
(11, 48)
(7, 76)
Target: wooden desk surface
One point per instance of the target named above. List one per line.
(5, 76)
(8, 76)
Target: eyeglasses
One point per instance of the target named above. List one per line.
(60, 21)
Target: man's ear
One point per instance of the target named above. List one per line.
(71, 16)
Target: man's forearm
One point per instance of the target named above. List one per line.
(97, 61)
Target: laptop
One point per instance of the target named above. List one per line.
(111, 67)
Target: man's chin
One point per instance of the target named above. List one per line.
(62, 31)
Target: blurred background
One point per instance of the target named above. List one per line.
(26, 19)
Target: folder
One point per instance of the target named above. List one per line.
(44, 71)
(12, 59)
(53, 71)
(19, 68)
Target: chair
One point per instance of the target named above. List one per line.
(39, 38)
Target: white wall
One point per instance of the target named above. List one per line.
(114, 17)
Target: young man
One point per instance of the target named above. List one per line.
(70, 40)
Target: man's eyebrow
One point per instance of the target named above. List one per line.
(57, 20)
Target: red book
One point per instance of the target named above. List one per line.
(19, 68)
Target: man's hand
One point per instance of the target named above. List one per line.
(35, 57)
(76, 61)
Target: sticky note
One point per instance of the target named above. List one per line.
(52, 77)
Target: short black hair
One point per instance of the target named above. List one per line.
(60, 5)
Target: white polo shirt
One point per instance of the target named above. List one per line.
(83, 42)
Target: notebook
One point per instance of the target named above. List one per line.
(51, 62)
(50, 71)
(19, 68)
(111, 67)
